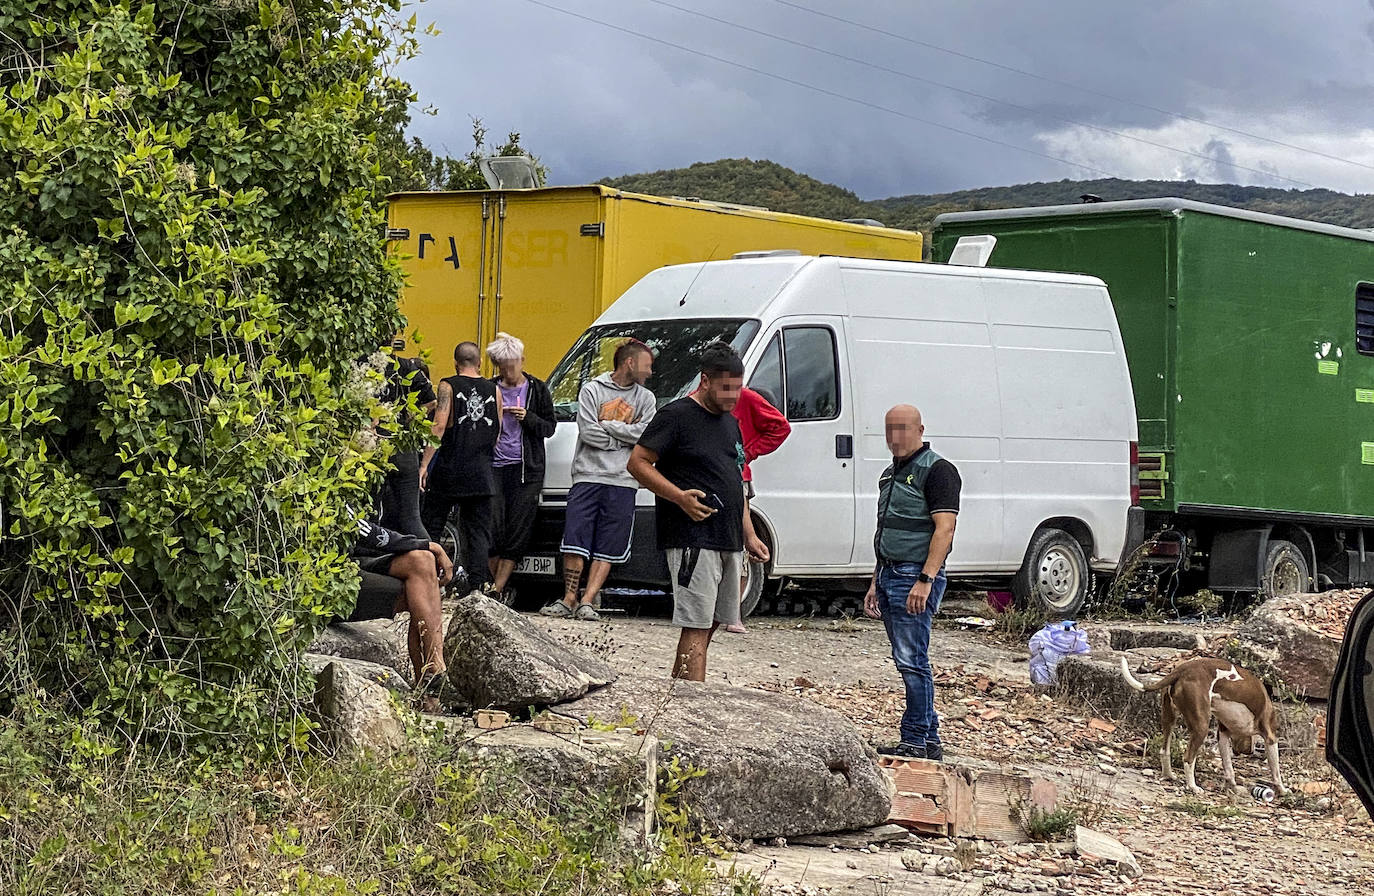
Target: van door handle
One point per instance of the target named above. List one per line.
(844, 446)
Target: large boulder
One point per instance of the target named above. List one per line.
(380, 641)
(1293, 641)
(1094, 684)
(1105, 638)
(498, 658)
(615, 768)
(385, 676)
(356, 710)
(774, 765)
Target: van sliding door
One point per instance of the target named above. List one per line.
(806, 488)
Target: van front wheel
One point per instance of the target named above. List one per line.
(760, 592)
(1055, 577)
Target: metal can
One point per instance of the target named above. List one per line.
(1262, 792)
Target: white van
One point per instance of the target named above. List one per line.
(1021, 378)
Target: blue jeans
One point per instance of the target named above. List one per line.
(910, 637)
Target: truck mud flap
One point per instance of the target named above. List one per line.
(1237, 559)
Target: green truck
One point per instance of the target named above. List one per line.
(1250, 342)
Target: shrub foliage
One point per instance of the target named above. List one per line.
(191, 257)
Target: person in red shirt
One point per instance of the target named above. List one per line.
(764, 428)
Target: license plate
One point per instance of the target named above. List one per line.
(537, 566)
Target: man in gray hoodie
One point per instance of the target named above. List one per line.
(612, 412)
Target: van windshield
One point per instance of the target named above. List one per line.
(675, 344)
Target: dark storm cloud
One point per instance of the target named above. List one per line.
(594, 102)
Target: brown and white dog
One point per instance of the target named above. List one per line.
(1201, 689)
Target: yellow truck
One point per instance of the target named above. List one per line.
(543, 264)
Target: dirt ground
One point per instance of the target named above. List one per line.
(1317, 841)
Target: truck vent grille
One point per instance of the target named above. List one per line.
(1153, 475)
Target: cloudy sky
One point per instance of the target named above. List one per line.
(890, 98)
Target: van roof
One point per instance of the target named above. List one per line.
(796, 262)
(959, 270)
(746, 287)
(1165, 206)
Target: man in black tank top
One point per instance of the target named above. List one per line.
(458, 474)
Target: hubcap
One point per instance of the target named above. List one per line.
(1058, 577)
(1287, 579)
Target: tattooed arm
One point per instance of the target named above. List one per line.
(441, 413)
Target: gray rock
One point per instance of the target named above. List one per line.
(355, 712)
(886, 833)
(498, 658)
(380, 641)
(1275, 644)
(595, 765)
(1092, 844)
(1095, 684)
(775, 765)
(382, 675)
(1134, 635)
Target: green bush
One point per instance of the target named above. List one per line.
(192, 257)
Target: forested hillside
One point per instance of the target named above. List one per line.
(749, 183)
(771, 185)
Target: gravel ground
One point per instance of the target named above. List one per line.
(1315, 842)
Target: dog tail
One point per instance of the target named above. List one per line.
(1133, 682)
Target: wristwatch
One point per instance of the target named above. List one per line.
(922, 577)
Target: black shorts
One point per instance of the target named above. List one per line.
(600, 522)
(378, 591)
(514, 507)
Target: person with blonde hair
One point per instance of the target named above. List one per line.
(518, 460)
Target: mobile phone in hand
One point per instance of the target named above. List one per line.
(713, 500)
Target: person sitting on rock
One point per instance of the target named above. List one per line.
(400, 574)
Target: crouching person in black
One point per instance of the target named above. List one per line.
(404, 573)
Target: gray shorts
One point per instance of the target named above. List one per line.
(711, 592)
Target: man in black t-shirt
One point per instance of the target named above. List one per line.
(467, 420)
(691, 457)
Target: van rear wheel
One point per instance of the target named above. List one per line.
(1055, 576)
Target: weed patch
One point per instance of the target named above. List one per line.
(1044, 825)
(1016, 625)
(1084, 802)
(1156, 743)
(80, 815)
